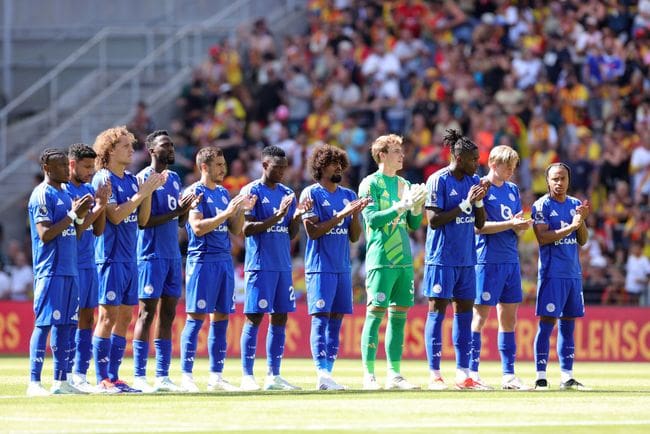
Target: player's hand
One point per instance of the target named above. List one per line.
(197, 200)
(477, 191)
(103, 193)
(351, 208)
(154, 181)
(577, 220)
(584, 209)
(285, 204)
(303, 207)
(520, 223)
(418, 194)
(235, 205)
(82, 205)
(187, 201)
(249, 202)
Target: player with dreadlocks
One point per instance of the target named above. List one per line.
(454, 208)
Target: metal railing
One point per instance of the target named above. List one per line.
(50, 81)
(181, 50)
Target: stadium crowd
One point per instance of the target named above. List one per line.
(557, 81)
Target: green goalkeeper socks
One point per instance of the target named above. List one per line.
(370, 339)
(395, 340)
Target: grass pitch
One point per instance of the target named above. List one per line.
(619, 403)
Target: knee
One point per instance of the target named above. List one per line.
(279, 319)
(254, 318)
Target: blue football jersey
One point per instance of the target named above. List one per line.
(501, 203)
(161, 242)
(269, 250)
(453, 243)
(118, 242)
(215, 245)
(560, 258)
(57, 257)
(331, 252)
(85, 244)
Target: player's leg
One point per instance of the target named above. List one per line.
(128, 300)
(150, 280)
(217, 342)
(38, 340)
(163, 344)
(509, 301)
(480, 316)
(172, 290)
(437, 284)
(547, 309)
(320, 294)
(489, 284)
(341, 305)
(379, 283)
(464, 293)
(37, 348)
(574, 308)
(88, 301)
(401, 299)
(283, 301)
(107, 316)
(63, 328)
(146, 313)
(257, 288)
(200, 296)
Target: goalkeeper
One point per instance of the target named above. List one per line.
(395, 207)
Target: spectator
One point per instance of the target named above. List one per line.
(637, 275)
(22, 278)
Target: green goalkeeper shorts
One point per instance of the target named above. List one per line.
(390, 287)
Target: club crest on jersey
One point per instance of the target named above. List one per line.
(134, 187)
(176, 186)
(572, 212)
(346, 202)
(511, 197)
(224, 200)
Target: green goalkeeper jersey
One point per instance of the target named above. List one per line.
(387, 239)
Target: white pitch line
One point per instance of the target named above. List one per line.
(193, 427)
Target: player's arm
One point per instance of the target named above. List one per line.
(97, 216)
(545, 235)
(437, 217)
(252, 226)
(181, 211)
(116, 213)
(355, 229)
(236, 222)
(47, 230)
(201, 226)
(374, 217)
(582, 212)
(294, 225)
(316, 228)
(517, 223)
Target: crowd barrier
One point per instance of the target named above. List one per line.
(606, 334)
